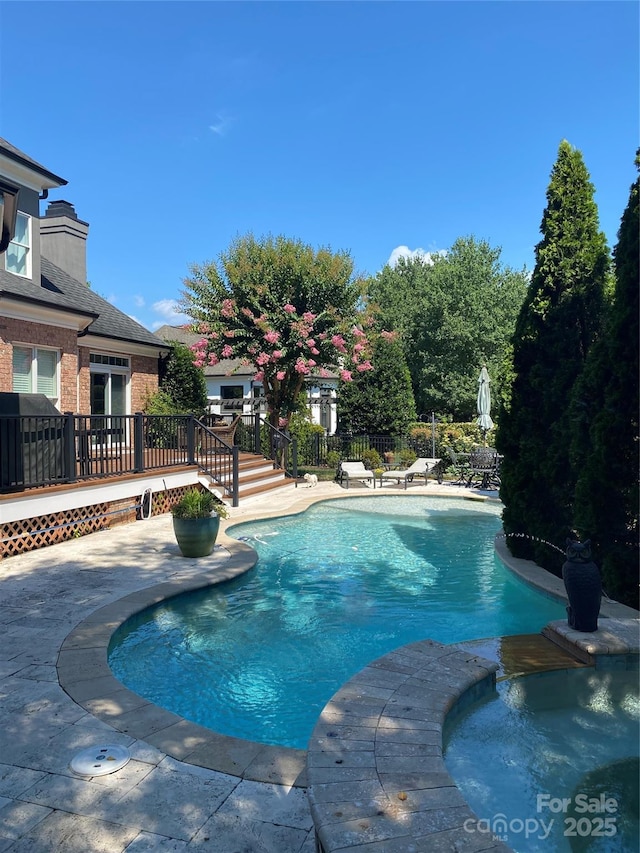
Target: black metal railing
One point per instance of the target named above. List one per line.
(316, 449)
(50, 450)
(256, 435)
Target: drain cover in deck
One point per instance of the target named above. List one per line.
(100, 760)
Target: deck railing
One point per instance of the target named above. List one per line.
(48, 450)
(69, 448)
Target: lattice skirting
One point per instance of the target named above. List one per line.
(28, 534)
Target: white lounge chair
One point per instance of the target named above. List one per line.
(422, 467)
(355, 471)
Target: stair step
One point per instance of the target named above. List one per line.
(250, 482)
(268, 487)
(256, 476)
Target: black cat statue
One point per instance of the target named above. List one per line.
(582, 581)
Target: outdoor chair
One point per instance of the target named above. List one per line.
(422, 467)
(224, 431)
(461, 468)
(355, 471)
(484, 468)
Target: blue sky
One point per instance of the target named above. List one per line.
(365, 126)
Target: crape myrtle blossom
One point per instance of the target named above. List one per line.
(284, 344)
(228, 308)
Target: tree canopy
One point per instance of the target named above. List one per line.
(284, 308)
(380, 401)
(455, 314)
(559, 321)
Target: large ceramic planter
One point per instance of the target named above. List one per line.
(196, 536)
(584, 590)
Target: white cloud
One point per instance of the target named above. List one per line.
(138, 301)
(413, 254)
(169, 311)
(221, 124)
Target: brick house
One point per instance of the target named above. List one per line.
(57, 336)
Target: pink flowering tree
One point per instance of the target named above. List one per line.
(284, 308)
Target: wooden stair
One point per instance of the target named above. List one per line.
(256, 476)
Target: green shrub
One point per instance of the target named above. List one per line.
(371, 459)
(304, 431)
(406, 458)
(183, 382)
(198, 504)
(462, 437)
(333, 459)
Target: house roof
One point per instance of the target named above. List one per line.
(226, 367)
(177, 335)
(59, 290)
(18, 156)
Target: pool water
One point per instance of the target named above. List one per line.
(550, 763)
(334, 588)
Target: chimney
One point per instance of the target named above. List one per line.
(63, 239)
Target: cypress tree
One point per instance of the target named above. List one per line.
(558, 322)
(606, 438)
(379, 401)
(183, 381)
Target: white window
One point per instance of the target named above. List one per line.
(18, 255)
(35, 371)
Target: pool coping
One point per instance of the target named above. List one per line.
(377, 777)
(84, 673)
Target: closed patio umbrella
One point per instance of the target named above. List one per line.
(484, 402)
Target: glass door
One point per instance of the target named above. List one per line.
(108, 394)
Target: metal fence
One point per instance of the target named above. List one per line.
(317, 449)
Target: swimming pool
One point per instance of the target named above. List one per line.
(334, 588)
(550, 762)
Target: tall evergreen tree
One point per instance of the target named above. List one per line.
(183, 381)
(606, 442)
(380, 401)
(559, 320)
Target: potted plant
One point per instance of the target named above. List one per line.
(196, 521)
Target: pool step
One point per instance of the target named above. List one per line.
(524, 654)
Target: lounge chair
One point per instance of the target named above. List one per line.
(355, 471)
(422, 467)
